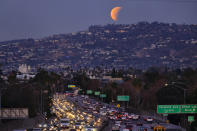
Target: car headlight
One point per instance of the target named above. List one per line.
(40, 125)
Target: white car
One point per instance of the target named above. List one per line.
(130, 116)
(90, 128)
(114, 128)
(135, 117)
(123, 118)
(112, 117)
(117, 124)
(103, 113)
(149, 119)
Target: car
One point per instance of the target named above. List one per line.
(139, 124)
(95, 112)
(115, 128)
(78, 125)
(135, 117)
(128, 123)
(125, 114)
(64, 123)
(129, 127)
(72, 130)
(125, 129)
(89, 128)
(123, 118)
(42, 125)
(112, 118)
(130, 116)
(36, 129)
(117, 121)
(149, 119)
(142, 129)
(102, 113)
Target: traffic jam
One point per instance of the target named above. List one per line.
(82, 113)
(72, 116)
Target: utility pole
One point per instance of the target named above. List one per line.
(1, 88)
(184, 99)
(0, 106)
(41, 102)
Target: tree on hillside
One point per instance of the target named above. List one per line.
(170, 95)
(151, 75)
(82, 80)
(12, 77)
(42, 78)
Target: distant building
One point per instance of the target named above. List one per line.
(25, 72)
(25, 76)
(24, 69)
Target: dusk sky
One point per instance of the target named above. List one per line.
(41, 18)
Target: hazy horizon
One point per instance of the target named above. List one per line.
(23, 19)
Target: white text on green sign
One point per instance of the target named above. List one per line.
(190, 118)
(103, 95)
(96, 93)
(123, 98)
(174, 109)
(89, 91)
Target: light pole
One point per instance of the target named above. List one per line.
(184, 91)
(1, 88)
(184, 96)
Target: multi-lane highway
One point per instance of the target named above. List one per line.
(88, 114)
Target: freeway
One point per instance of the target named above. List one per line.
(87, 114)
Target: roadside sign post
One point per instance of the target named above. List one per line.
(89, 92)
(190, 119)
(103, 96)
(97, 93)
(123, 98)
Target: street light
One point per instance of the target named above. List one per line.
(184, 91)
(2, 87)
(184, 95)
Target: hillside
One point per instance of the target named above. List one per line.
(137, 45)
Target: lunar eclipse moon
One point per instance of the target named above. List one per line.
(114, 13)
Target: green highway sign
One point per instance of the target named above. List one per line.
(123, 98)
(190, 118)
(97, 93)
(189, 108)
(176, 109)
(103, 95)
(89, 92)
